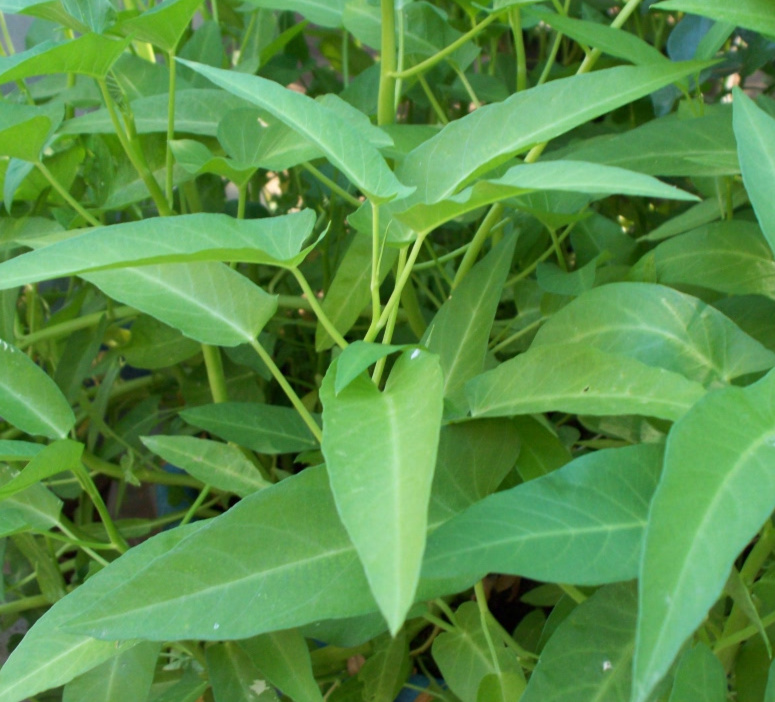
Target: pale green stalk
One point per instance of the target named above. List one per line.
(515, 19)
(334, 187)
(472, 253)
(432, 99)
(169, 161)
(318, 310)
(386, 101)
(484, 617)
(376, 303)
(387, 337)
(68, 198)
(215, 375)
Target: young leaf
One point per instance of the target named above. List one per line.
(354, 156)
(755, 131)
(460, 331)
(589, 656)
(381, 480)
(60, 456)
(189, 238)
(438, 167)
(126, 677)
(751, 14)
(717, 460)
(266, 429)
(661, 327)
(35, 508)
(162, 25)
(208, 302)
(575, 378)
(234, 676)
(700, 677)
(221, 465)
(283, 659)
(30, 399)
(48, 656)
(357, 358)
(582, 523)
(464, 656)
(197, 159)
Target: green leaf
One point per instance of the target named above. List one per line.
(464, 656)
(90, 55)
(460, 331)
(208, 302)
(385, 672)
(25, 129)
(541, 451)
(234, 676)
(438, 167)
(769, 695)
(729, 256)
(196, 158)
(718, 458)
(354, 156)
(326, 13)
(700, 677)
(755, 132)
(35, 508)
(472, 460)
(589, 656)
(60, 456)
(356, 358)
(660, 327)
(581, 524)
(98, 15)
(48, 656)
(19, 450)
(240, 133)
(188, 238)
(221, 465)
(162, 25)
(126, 677)
(381, 480)
(30, 399)
(580, 379)
(501, 687)
(610, 41)
(283, 659)
(553, 279)
(265, 429)
(675, 145)
(155, 345)
(751, 14)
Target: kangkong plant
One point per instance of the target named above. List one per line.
(362, 345)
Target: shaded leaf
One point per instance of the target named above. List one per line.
(25, 129)
(234, 677)
(35, 508)
(717, 472)
(700, 677)
(326, 13)
(162, 25)
(582, 523)
(55, 458)
(752, 14)
(380, 450)
(357, 358)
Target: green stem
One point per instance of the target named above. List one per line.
(468, 87)
(518, 335)
(447, 50)
(196, 505)
(546, 254)
(318, 310)
(345, 58)
(558, 250)
(170, 159)
(288, 390)
(215, 375)
(376, 303)
(63, 329)
(94, 495)
(434, 263)
(477, 242)
(131, 149)
(24, 604)
(437, 108)
(69, 199)
(160, 477)
(386, 100)
(436, 621)
(515, 19)
(484, 616)
(242, 201)
(88, 551)
(387, 337)
(347, 197)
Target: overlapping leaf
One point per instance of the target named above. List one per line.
(751, 14)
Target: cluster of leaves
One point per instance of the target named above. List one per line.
(373, 301)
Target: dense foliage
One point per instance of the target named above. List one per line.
(354, 345)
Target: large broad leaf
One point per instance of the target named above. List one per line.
(582, 523)
(326, 13)
(717, 488)
(90, 55)
(755, 134)
(465, 658)
(208, 302)
(126, 677)
(589, 656)
(30, 399)
(580, 379)
(661, 327)
(670, 146)
(48, 656)
(263, 428)
(564, 176)
(751, 14)
(438, 167)
(221, 465)
(25, 130)
(98, 15)
(730, 256)
(197, 237)
(323, 127)
(162, 25)
(460, 331)
(380, 449)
